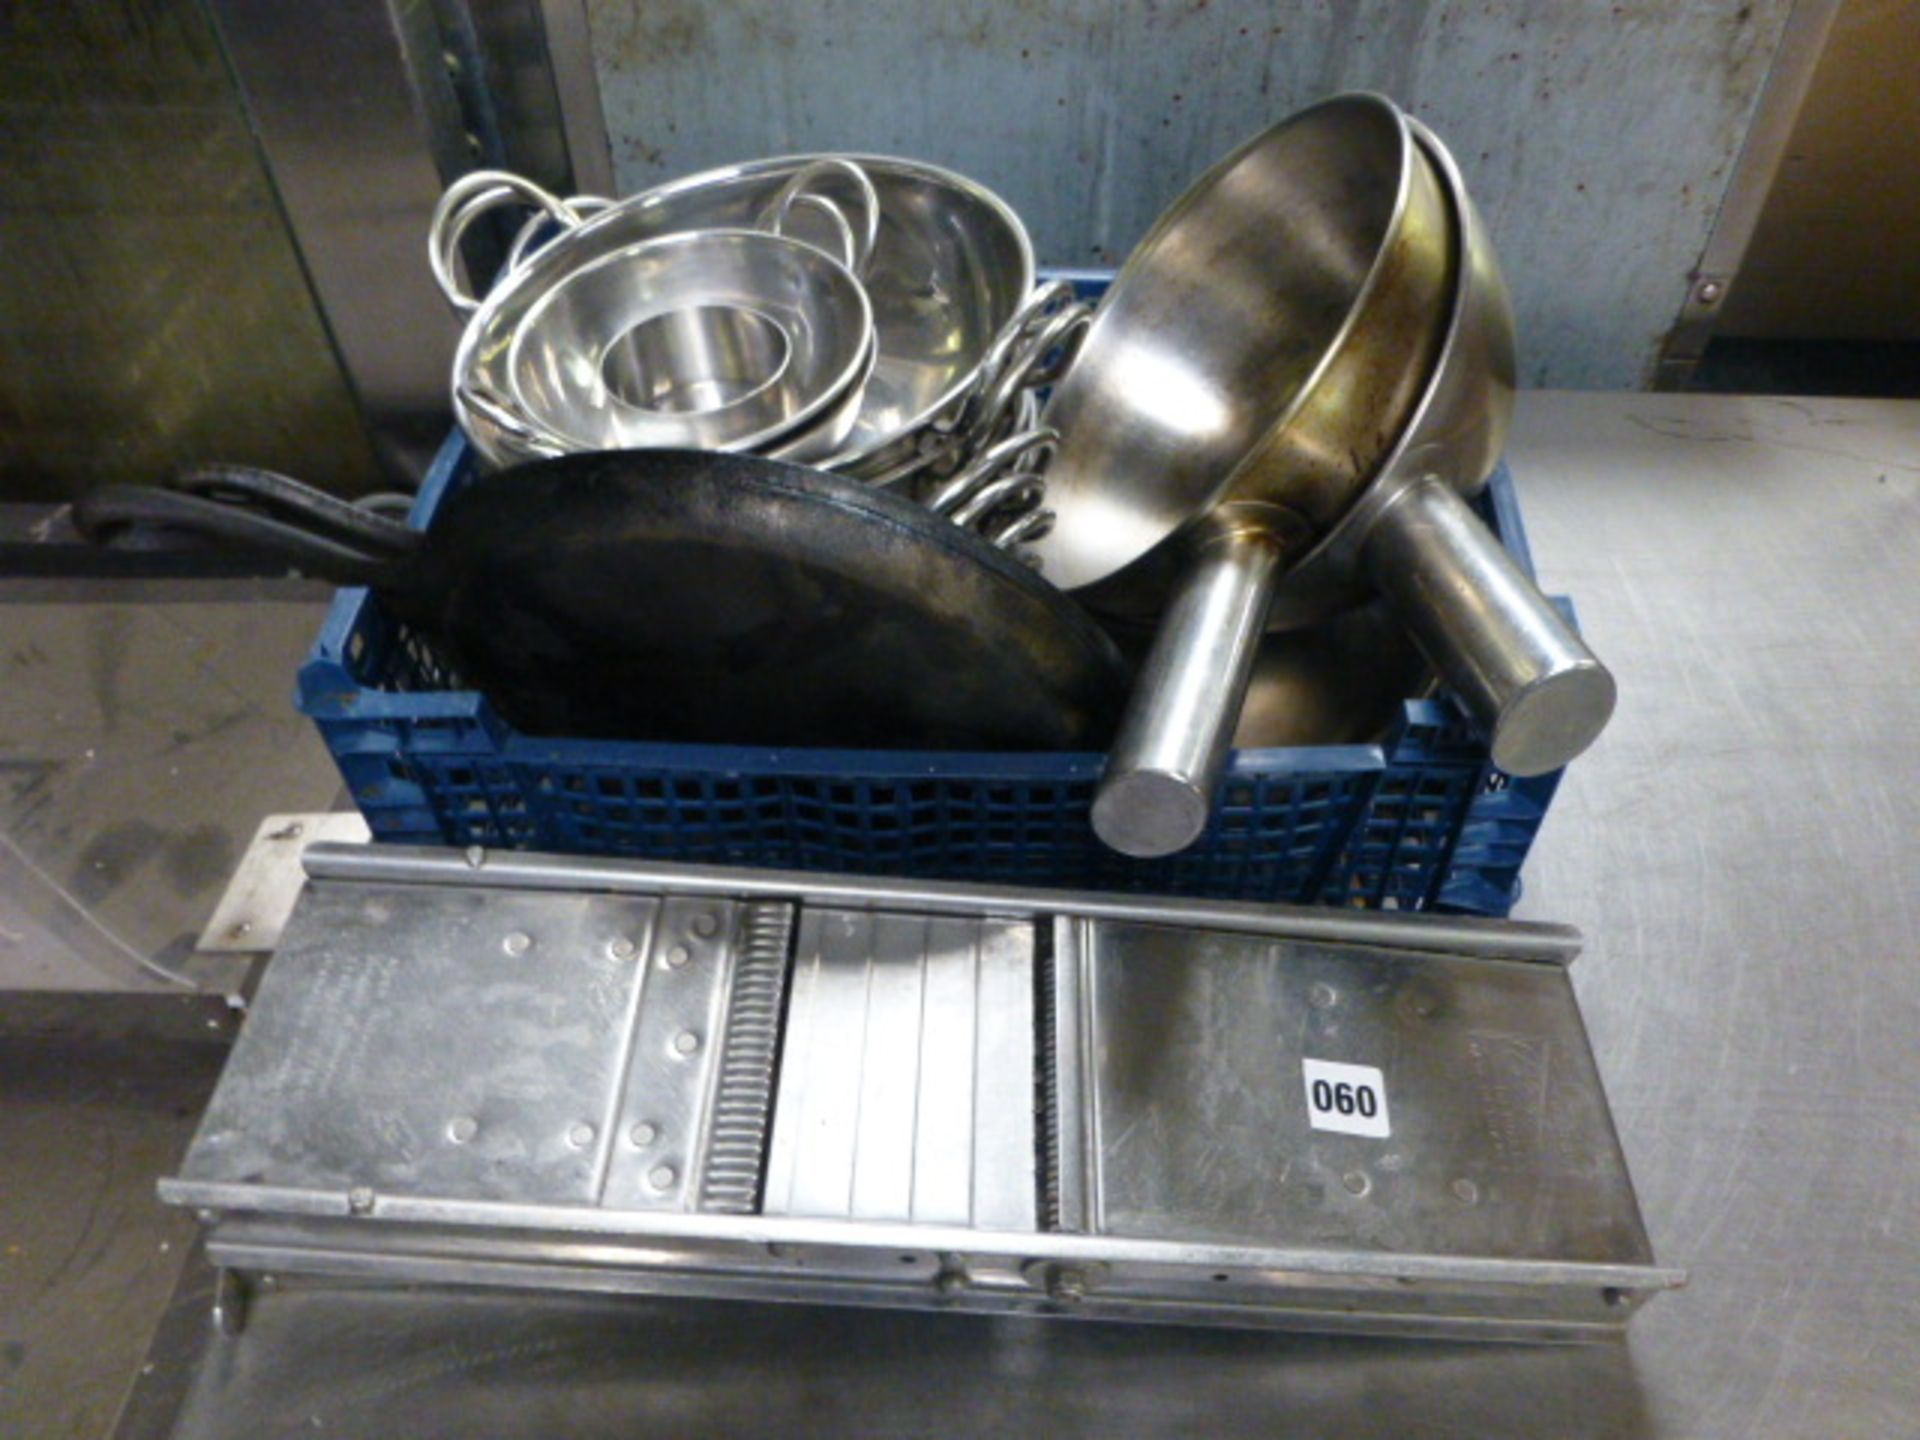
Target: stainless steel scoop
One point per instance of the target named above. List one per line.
(1247, 473)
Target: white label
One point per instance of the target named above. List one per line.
(1351, 1099)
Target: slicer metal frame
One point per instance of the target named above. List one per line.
(610, 1076)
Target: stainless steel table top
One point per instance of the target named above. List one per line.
(1739, 849)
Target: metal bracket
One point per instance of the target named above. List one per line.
(1802, 43)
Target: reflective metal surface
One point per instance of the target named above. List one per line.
(951, 266)
(906, 1084)
(1264, 344)
(1458, 430)
(1165, 764)
(1751, 1005)
(1344, 681)
(715, 339)
(1523, 672)
(351, 108)
(1519, 668)
(444, 1044)
(542, 1049)
(419, 1095)
(1462, 934)
(1248, 372)
(446, 1364)
(253, 909)
(153, 309)
(697, 1094)
(146, 727)
(1755, 809)
(1492, 1134)
(1000, 494)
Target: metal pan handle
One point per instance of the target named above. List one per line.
(1166, 762)
(1001, 387)
(849, 255)
(283, 498)
(999, 494)
(1499, 644)
(1028, 448)
(1033, 312)
(146, 516)
(464, 201)
(531, 236)
(857, 244)
(1040, 358)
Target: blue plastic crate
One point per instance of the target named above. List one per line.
(1421, 822)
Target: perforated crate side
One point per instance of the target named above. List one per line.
(1018, 818)
(1500, 829)
(1506, 812)
(1397, 855)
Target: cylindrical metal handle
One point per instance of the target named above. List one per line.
(1039, 359)
(1166, 761)
(1498, 642)
(836, 218)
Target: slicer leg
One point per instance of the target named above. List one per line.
(232, 1295)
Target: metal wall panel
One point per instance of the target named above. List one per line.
(360, 127)
(364, 110)
(152, 306)
(1598, 137)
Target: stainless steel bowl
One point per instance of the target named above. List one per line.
(950, 268)
(823, 436)
(721, 340)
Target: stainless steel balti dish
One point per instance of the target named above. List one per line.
(949, 271)
(717, 339)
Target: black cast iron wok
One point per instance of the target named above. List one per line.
(681, 595)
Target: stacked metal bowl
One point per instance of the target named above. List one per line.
(872, 316)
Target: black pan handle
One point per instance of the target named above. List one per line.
(127, 515)
(315, 511)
